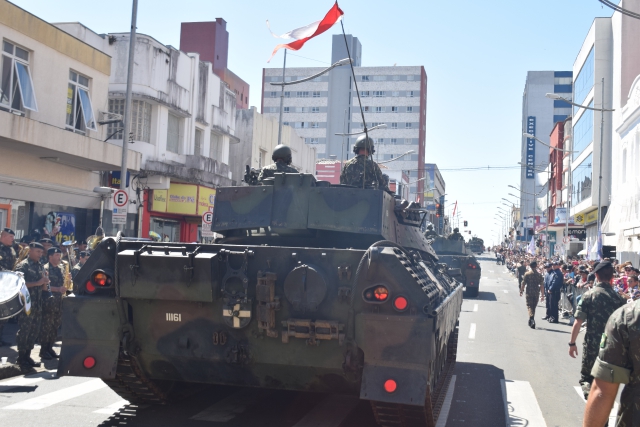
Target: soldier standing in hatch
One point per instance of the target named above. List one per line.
(29, 326)
(456, 235)
(52, 307)
(430, 232)
(282, 158)
(595, 307)
(7, 262)
(534, 284)
(362, 168)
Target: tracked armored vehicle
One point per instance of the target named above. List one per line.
(313, 287)
(460, 260)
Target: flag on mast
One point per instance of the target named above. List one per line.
(306, 33)
(454, 209)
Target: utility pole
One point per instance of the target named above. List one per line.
(127, 101)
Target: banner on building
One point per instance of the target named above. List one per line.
(61, 226)
(531, 147)
(183, 199)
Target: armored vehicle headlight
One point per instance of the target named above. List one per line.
(100, 278)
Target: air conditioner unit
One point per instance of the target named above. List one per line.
(157, 182)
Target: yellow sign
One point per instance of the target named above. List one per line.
(206, 197)
(591, 217)
(182, 199)
(159, 201)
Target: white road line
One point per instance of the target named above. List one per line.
(22, 381)
(112, 408)
(522, 405)
(505, 291)
(472, 332)
(330, 412)
(612, 414)
(58, 396)
(227, 408)
(446, 405)
(475, 307)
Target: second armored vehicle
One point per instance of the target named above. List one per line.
(457, 255)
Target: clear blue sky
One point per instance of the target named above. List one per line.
(476, 55)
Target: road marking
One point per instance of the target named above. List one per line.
(330, 412)
(472, 331)
(58, 396)
(446, 405)
(112, 408)
(521, 404)
(227, 408)
(505, 291)
(475, 307)
(612, 414)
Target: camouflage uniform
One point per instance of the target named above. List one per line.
(619, 361)
(277, 167)
(531, 281)
(595, 307)
(7, 261)
(52, 308)
(359, 168)
(29, 326)
(430, 233)
(456, 236)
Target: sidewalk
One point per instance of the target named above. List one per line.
(10, 369)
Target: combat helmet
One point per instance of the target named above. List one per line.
(429, 227)
(364, 142)
(456, 230)
(282, 152)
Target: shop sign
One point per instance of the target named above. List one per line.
(159, 200)
(115, 179)
(206, 199)
(531, 147)
(61, 226)
(579, 219)
(578, 233)
(178, 199)
(591, 217)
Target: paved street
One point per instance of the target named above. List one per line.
(497, 354)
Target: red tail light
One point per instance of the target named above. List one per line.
(390, 386)
(400, 303)
(381, 293)
(100, 279)
(89, 287)
(89, 362)
(471, 266)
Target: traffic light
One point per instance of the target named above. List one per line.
(438, 208)
(466, 223)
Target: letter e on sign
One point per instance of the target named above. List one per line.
(207, 217)
(120, 198)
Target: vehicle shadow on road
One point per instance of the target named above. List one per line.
(477, 398)
(485, 296)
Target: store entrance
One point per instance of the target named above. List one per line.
(168, 230)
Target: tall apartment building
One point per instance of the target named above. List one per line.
(539, 115)
(318, 109)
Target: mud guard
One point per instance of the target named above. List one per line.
(90, 327)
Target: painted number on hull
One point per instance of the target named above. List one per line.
(174, 317)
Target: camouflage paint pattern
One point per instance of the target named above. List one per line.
(52, 307)
(531, 282)
(29, 326)
(359, 169)
(269, 171)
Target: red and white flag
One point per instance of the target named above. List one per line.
(306, 33)
(454, 209)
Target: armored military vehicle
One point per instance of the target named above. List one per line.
(476, 245)
(313, 287)
(457, 255)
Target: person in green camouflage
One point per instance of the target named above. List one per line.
(52, 307)
(618, 363)
(534, 284)
(595, 307)
(282, 158)
(7, 261)
(361, 171)
(456, 235)
(430, 233)
(29, 325)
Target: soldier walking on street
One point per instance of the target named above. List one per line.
(282, 158)
(595, 307)
(361, 171)
(618, 362)
(29, 325)
(7, 262)
(533, 282)
(52, 306)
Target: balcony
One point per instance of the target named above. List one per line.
(197, 169)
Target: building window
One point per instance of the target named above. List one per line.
(412, 93)
(584, 81)
(379, 109)
(315, 109)
(275, 79)
(313, 140)
(173, 133)
(273, 109)
(409, 109)
(394, 141)
(378, 93)
(396, 78)
(410, 77)
(286, 109)
(379, 78)
(287, 94)
(407, 125)
(583, 132)
(581, 181)
(79, 109)
(314, 125)
(16, 86)
(364, 78)
(364, 94)
(197, 143)
(273, 94)
(394, 109)
(140, 127)
(366, 108)
(316, 94)
(285, 123)
(303, 94)
(262, 159)
(624, 166)
(215, 147)
(395, 93)
(380, 140)
(394, 126)
(408, 141)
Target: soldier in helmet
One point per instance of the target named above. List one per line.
(456, 235)
(430, 233)
(361, 171)
(282, 158)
